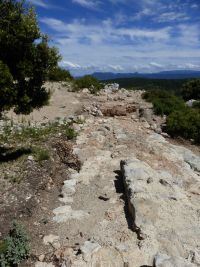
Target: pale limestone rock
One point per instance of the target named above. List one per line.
(161, 212)
(41, 257)
(50, 239)
(162, 260)
(88, 249)
(69, 188)
(65, 213)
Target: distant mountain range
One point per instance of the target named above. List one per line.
(174, 74)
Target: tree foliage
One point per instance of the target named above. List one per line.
(89, 82)
(164, 102)
(58, 74)
(191, 90)
(6, 87)
(181, 120)
(185, 123)
(25, 56)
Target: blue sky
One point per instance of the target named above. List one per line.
(123, 35)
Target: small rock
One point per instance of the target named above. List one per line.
(50, 239)
(31, 158)
(41, 257)
(163, 260)
(56, 245)
(86, 91)
(165, 134)
(88, 249)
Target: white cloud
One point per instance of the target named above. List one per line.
(188, 34)
(116, 67)
(70, 65)
(40, 3)
(156, 65)
(107, 46)
(171, 16)
(194, 6)
(87, 3)
(105, 31)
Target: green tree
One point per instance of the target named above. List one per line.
(191, 90)
(59, 74)
(6, 84)
(26, 58)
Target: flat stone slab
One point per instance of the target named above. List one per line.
(163, 216)
(65, 213)
(88, 249)
(162, 260)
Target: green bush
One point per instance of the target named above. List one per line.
(191, 90)
(14, 248)
(164, 102)
(58, 74)
(70, 133)
(42, 154)
(185, 123)
(89, 82)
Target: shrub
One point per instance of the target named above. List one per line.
(164, 102)
(89, 82)
(185, 123)
(191, 90)
(70, 133)
(41, 154)
(58, 74)
(14, 248)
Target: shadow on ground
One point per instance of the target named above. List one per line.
(120, 189)
(9, 154)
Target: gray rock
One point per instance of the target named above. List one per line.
(161, 215)
(30, 158)
(162, 260)
(65, 213)
(86, 91)
(50, 239)
(146, 113)
(88, 249)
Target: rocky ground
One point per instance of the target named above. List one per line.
(123, 194)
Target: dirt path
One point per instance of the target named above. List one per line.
(92, 215)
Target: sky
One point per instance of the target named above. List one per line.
(123, 35)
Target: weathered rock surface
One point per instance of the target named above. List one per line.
(165, 211)
(162, 260)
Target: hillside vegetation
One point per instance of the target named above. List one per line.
(148, 84)
(182, 120)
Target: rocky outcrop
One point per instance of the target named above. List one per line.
(165, 206)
